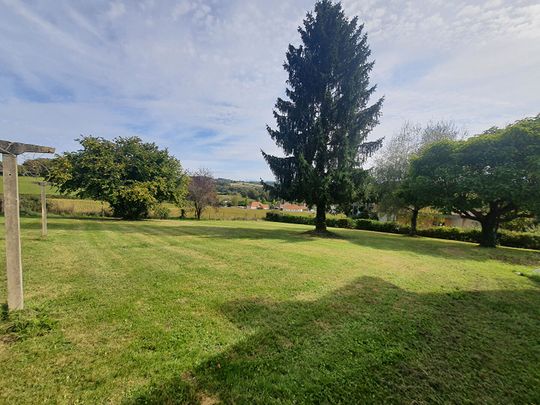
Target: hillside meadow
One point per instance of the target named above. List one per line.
(27, 185)
(77, 207)
(251, 312)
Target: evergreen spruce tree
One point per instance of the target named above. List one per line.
(323, 124)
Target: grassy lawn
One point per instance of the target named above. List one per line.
(27, 185)
(256, 312)
(236, 213)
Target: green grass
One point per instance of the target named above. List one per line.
(235, 213)
(256, 312)
(27, 185)
(76, 207)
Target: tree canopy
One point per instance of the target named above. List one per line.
(490, 178)
(323, 124)
(131, 175)
(38, 167)
(393, 189)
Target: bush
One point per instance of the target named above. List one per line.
(450, 233)
(161, 212)
(519, 240)
(291, 219)
(388, 227)
(340, 223)
(29, 204)
(506, 238)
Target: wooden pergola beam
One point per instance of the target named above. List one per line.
(16, 148)
(9, 151)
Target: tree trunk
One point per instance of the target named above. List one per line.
(414, 220)
(320, 218)
(198, 212)
(490, 226)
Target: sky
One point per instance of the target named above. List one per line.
(201, 77)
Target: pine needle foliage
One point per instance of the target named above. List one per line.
(325, 119)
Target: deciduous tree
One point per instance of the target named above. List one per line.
(131, 175)
(202, 191)
(490, 178)
(394, 190)
(38, 167)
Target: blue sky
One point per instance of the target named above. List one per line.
(200, 77)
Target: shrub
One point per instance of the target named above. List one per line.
(519, 240)
(30, 204)
(450, 233)
(506, 238)
(340, 223)
(161, 212)
(291, 219)
(389, 227)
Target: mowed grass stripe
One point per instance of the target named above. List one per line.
(256, 312)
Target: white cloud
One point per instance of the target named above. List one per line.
(182, 8)
(116, 10)
(201, 76)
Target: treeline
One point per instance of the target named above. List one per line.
(492, 178)
(322, 125)
(506, 238)
(242, 189)
(32, 167)
(134, 177)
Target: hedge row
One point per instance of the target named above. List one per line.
(506, 238)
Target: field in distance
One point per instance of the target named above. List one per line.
(27, 185)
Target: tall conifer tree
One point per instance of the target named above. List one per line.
(323, 124)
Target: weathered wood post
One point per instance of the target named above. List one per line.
(43, 192)
(10, 151)
(43, 209)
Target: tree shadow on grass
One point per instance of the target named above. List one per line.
(441, 248)
(371, 342)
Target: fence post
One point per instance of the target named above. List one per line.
(13, 231)
(10, 151)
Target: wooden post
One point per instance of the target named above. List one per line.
(13, 230)
(10, 150)
(43, 192)
(43, 186)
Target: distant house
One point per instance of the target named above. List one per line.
(457, 221)
(288, 207)
(256, 205)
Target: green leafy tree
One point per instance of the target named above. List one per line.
(323, 124)
(132, 176)
(36, 167)
(235, 200)
(394, 190)
(491, 178)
